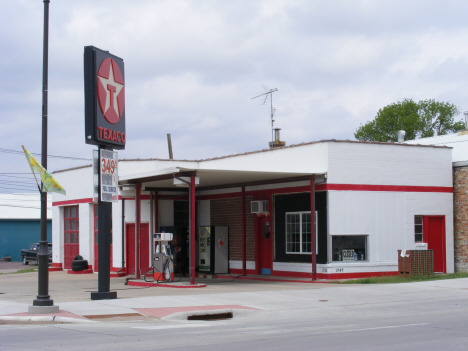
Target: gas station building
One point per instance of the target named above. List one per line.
(321, 210)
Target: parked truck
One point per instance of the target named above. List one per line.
(31, 254)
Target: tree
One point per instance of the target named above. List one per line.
(418, 120)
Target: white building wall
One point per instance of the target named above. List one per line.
(379, 215)
(389, 164)
(78, 183)
(308, 158)
(388, 220)
(57, 235)
(429, 204)
(117, 234)
(86, 218)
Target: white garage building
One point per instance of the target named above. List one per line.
(370, 200)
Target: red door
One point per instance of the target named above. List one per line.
(71, 246)
(144, 260)
(264, 260)
(436, 241)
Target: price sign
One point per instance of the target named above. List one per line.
(348, 255)
(108, 171)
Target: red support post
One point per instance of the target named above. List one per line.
(192, 229)
(137, 229)
(156, 210)
(312, 231)
(244, 235)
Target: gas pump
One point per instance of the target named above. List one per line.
(163, 266)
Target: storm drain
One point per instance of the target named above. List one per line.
(212, 316)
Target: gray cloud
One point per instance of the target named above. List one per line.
(193, 67)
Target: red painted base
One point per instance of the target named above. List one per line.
(267, 279)
(357, 275)
(321, 276)
(165, 285)
(118, 275)
(55, 269)
(86, 271)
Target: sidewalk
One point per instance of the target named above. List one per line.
(239, 297)
(144, 303)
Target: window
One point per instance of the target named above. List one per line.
(418, 229)
(349, 248)
(298, 232)
(71, 223)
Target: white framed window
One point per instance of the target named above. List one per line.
(418, 229)
(298, 233)
(349, 248)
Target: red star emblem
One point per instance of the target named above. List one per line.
(111, 92)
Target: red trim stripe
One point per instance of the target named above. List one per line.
(72, 202)
(298, 189)
(398, 188)
(76, 201)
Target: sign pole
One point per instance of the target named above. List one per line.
(104, 243)
(104, 127)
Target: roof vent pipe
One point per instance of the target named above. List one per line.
(169, 145)
(277, 134)
(277, 142)
(466, 120)
(401, 136)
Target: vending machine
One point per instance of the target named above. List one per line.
(213, 249)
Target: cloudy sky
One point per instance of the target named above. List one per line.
(192, 68)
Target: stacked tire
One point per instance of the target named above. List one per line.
(78, 264)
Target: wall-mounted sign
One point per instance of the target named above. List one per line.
(104, 98)
(109, 175)
(348, 255)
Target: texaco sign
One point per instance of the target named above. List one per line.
(104, 99)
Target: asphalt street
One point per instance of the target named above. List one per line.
(266, 316)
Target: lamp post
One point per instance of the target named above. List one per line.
(43, 303)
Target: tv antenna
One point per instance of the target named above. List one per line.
(272, 110)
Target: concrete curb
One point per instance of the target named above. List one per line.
(45, 319)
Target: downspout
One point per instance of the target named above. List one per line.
(123, 233)
(312, 232)
(244, 235)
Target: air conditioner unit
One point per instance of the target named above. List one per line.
(259, 206)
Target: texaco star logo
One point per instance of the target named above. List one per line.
(111, 92)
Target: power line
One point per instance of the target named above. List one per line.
(15, 187)
(16, 152)
(37, 208)
(16, 177)
(9, 181)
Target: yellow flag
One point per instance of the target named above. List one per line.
(49, 184)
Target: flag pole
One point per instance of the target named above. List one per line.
(43, 303)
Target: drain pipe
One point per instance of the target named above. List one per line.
(123, 233)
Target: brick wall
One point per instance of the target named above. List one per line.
(229, 212)
(460, 213)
